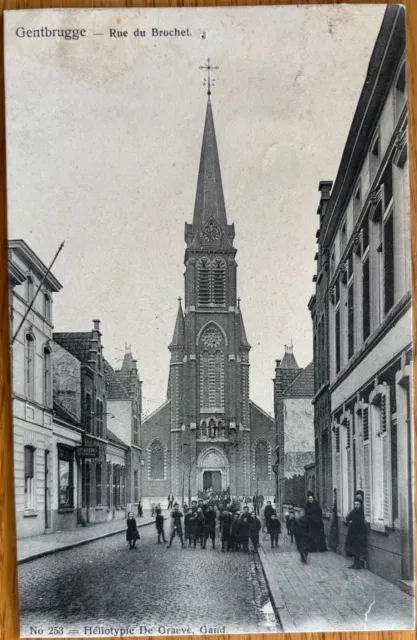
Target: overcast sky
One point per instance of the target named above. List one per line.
(103, 143)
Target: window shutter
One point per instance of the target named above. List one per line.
(29, 462)
(366, 463)
(386, 458)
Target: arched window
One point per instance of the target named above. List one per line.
(212, 370)
(157, 461)
(211, 282)
(261, 461)
(30, 366)
(204, 282)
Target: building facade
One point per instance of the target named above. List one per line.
(124, 406)
(293, 394)
(87, 349)
(364, 250)
(208, 434)
(32, 399)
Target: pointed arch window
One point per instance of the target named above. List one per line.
(157, 461)
(212, 370)
(261, 461)
(211, 276)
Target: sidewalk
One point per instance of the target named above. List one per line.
(324, 595)
(38, 546)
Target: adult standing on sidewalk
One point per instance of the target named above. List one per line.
(357, 534)
(314, 515)
(302, 536)
(170, 501)
(268, 511)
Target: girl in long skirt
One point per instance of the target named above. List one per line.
(357, 535)
(132, 533)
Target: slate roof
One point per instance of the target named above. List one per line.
(209, 201)
(111, 437)
(115, 389)
(63, 414)
(244, 339)
(76, 343)
(303, 385)
(289, 361)
(178, 339)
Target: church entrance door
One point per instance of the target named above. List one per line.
(212, 480)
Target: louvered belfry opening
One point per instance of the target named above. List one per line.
(211, 282)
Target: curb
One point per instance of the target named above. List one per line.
(79, 543)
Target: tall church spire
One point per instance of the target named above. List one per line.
(209, 202)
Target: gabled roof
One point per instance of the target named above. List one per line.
(303, 385)
(76, 343)
(209, 202)
(63, 414)
(111, 437)
(115, 389)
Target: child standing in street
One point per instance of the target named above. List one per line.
(132, 533)
(159, 522)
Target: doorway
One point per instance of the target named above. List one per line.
(212, 481)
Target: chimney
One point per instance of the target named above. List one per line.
(96, 325)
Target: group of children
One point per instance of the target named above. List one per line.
(204, 521)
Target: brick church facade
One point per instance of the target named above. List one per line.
(208, 433)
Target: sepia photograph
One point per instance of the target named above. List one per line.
(209, 281)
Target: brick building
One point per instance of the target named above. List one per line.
(87, 349)
(208, 434)
(363, 296)
(293, 394)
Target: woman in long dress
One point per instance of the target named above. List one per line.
(314, 516)
(357, 534)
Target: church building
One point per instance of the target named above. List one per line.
(208, 434)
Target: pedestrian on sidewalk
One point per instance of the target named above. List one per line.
(170, 501)
(132, 533)
(302, 537)
(268, 511)
(357, 534)
(140, 510)
(159, 523)
(274, 530)
(314, 516)
(176, 525)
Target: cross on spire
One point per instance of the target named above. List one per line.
(179, 299)
(208, 82)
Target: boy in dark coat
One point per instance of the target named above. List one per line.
(357, 534)
(302, 537)
(235, 533)
(254, 529)
(199, 527)
(268, 511)
(225, 519)
(245, 522)
(274, 530)
(209, 526)
(159, 523)
(290, 525)
(176, 525)
(189, 522)
(132, 533)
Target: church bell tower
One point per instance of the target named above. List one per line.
(209, 370)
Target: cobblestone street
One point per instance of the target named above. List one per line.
(106, 583)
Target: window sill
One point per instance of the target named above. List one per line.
(378, 528)
(30, 514)
(65, 509)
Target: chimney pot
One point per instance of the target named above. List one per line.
(96, 325)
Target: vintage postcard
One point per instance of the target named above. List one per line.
(210, 319)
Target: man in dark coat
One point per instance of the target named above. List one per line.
(314, 515)
(132, 533)
(176, 525)
(170, 501)
(159, 523)
(255, 501)
(210, 526)
(357, 535)
(199, 527)
(254, 529)
(234, 540)
(189, 525)
(302, 537)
